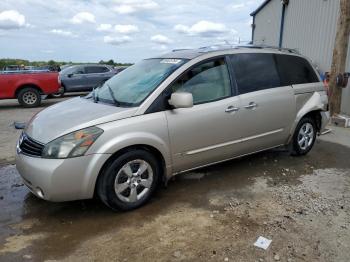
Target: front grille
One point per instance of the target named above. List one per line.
(30, 147)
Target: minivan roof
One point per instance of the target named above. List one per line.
(193, 53)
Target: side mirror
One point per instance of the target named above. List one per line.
(181, 100)
(70, 75)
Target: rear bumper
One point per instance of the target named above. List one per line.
(325, 118)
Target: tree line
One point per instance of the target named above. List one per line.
(8, 61)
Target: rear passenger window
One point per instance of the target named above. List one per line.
(96, 69)
(254, 72)
(295, 70)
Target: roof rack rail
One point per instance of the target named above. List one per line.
(216, 47)
(180, 49)
(290, 50)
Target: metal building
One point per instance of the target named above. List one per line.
(306, 25)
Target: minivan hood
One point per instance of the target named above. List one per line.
(71, 115)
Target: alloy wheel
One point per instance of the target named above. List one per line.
(133, 181)
(305, 136)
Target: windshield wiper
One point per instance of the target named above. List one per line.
(115, 101)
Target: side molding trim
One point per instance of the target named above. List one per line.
(192, 152)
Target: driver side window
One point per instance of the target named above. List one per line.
(78, 70)
(207, 82)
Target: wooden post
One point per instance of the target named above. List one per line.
(339, 55)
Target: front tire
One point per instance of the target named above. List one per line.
(59, 94)
(129, 181)
(29, 97)
(304, 136)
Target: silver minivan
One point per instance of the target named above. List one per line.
(171, 114)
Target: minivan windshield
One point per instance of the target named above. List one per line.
(132, 86)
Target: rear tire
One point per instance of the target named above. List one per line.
(59, 94)
(304, 136)
(129, 181)
(29, 97)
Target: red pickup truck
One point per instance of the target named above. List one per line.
(28, 87)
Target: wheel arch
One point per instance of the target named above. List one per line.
(153, 150)
(314, 114)
(30, 85)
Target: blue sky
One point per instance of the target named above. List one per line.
(123, 30)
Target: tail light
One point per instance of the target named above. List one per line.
(59, 80)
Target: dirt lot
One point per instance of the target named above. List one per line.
(214, 214)
(11, 111)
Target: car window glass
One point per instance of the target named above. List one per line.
(73, 70)
(95, 69)
(207, 82)
(254, 72)
(132, 86)
(295, 70)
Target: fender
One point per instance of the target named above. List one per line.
(136, 138)
(115, 144)
(26, 82)
(316, 102)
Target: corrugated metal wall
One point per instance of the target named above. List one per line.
(267, 23)
(310, 27)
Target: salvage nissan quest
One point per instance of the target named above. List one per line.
(171, 114)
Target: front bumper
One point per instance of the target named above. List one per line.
(61, 179)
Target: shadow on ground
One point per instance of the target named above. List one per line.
(58, 229)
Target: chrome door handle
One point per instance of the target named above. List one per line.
(251, 105)
(231, 109)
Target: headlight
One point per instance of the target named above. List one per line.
(73, 144)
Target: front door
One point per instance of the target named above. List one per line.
(207, 132)
(74, 78)
(95, 75)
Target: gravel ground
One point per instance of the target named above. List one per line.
(213, 214)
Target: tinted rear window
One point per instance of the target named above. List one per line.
(295, 70)
(254, 72)
(96, 69)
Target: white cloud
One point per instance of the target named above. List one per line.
(105, 27)
(12, 19)
(83, 17)
(121, 29)
(126, 29)
(161, 39)
(133, 6)
(237, 6)
(181, 28)
(202, 28)
(62, 32)
(117, 40)
(160, 48)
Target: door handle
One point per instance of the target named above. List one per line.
(231, 109)
(252, 105)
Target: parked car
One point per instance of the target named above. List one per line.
(81, 78)
(119, 69)
(28, 87)
(167, 115)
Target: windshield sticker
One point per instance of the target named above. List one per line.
(170, 61)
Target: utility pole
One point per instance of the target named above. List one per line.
(339, 55)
